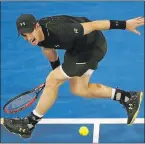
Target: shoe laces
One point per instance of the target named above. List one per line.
(18, 120)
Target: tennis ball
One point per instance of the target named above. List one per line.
(83, 131)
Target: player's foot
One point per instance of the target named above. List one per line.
(132, 106)
(18, 126)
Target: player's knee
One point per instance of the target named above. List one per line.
(74, 91)
(51, 81)
(51, 84)
(95, 89)
(78, 90)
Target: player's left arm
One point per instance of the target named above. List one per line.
(131, 25)
(70, 31)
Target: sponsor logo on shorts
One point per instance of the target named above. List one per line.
(81, 63)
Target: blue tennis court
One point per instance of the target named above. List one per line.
(24, 67)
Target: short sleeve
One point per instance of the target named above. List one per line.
(68, 31)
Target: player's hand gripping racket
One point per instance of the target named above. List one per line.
(23, 100)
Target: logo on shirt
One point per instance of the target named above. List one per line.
(75, 30)
(56, 46)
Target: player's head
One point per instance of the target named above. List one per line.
(29, 28)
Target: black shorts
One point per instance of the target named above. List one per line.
(79, 63)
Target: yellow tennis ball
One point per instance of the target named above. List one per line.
(83, 131)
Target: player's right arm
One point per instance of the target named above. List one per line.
(52, 56)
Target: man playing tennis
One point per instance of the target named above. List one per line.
(85, 47)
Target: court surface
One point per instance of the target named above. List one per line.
(24, 67)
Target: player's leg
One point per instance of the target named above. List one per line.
(48, 97)
(24, 127)
(129, 99)
(80, 86)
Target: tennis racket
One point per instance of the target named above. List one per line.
(23, 100)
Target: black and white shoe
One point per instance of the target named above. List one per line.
(132, 106)
(18, 126)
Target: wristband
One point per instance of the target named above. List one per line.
(116, 24)
(55, 64)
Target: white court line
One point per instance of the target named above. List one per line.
(89, 121)
(96, 133)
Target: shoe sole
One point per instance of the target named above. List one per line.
(2, 122)
(135, 115)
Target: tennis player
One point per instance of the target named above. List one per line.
(85, 47)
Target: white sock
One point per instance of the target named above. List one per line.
(37, 114)
(113, 93)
